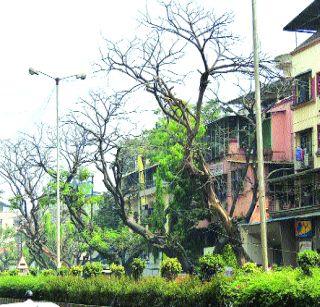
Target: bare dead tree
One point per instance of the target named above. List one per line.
(103, 118)
(152, 64)
(26, 181)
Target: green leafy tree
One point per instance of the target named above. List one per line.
(8, 250)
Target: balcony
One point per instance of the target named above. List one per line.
(294, 194)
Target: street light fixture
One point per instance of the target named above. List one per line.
(57, 81)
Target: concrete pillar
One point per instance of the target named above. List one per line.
(288, 243)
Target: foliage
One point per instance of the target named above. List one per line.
(48, 272)
(158, 216)
(280, 288)
(91, 269)
(211, 110)
(13, 272)
(34, 271)
(117, 270)
(76, 270)
(307, 260)
(9, 254)
(137, 267)
(187, 205)
(250, 267)
(210, 265)
(170, 268)
(63, 271)
(229, 256)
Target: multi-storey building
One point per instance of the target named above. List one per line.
(295, 197)
(231, 160)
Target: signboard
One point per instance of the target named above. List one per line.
(217, 169)
(208, 250)
(305, 245)
(303, 229)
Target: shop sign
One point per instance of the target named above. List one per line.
(305, 245)
(303, 229)
(209, 250)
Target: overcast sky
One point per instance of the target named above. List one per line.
(62, 37)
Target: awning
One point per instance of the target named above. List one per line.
(286, 218)
(294, 176)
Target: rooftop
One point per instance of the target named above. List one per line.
(307, 21)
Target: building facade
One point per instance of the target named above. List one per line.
(295, 197)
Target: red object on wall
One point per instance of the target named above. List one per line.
(318, 133)
(318, 83)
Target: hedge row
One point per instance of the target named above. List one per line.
(287, 287)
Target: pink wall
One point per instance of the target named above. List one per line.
(281, 130)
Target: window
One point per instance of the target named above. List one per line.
(318, 84)
(303, 88)
(305, 140)
(238, 178)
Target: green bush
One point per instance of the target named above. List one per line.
(117, 270)
(76, 270)
(229, 256)
(63, 271)
(34, 271)
(281, 288)
(91, 269)
(308, 259)
(210, 265)
(250, 267)
(4, 273)
(137, 267)
(170, 268)
(13, 272)
(48, 272)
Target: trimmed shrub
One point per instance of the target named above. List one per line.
(13, 272)
(308, 259)
(250, 267)
(34, 271)
(76, 270)
(229, 256)
(48, 272)
(63, 271)
(137, 267)
(210, 265)
(91, 269)
(117, 270)
(283, 288)
(170, 268)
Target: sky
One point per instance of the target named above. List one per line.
(63, 37)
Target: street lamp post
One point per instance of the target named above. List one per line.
(261, 181)
(57, 82)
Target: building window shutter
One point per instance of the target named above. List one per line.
(318, 83)
(318, 137)
(313, 92)
(294, 95)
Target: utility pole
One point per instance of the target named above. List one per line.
(58, 176)
(261, 182)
